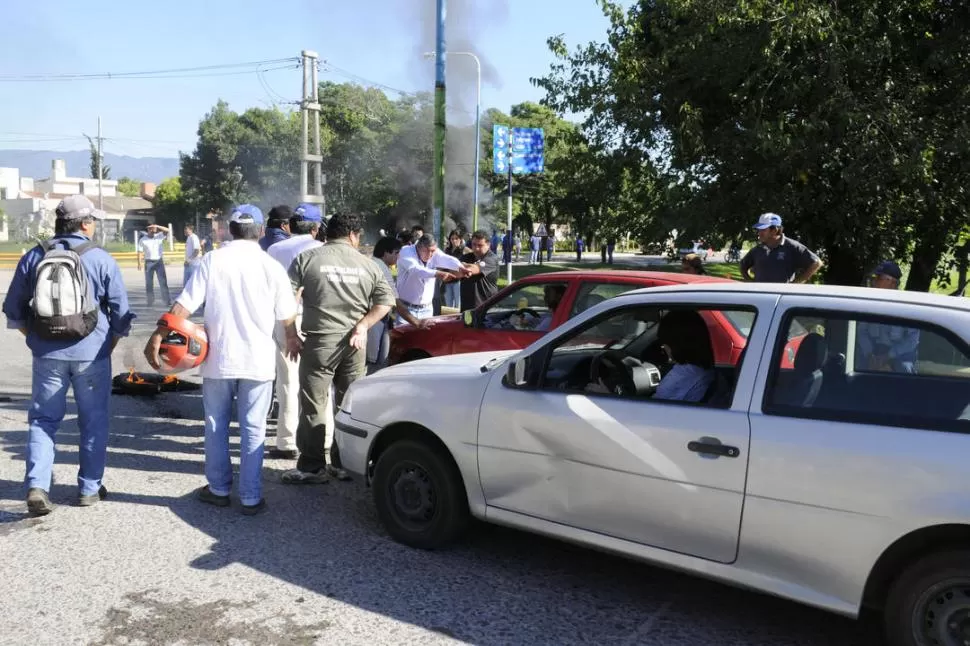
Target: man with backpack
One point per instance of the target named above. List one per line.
(68, 298)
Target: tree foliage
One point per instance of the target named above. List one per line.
(97, 158)
(846, 118)
(129, 187)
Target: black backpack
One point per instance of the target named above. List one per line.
(63, 307)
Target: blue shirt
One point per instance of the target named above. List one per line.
(114, 318)
(685, 382)
(273, 235)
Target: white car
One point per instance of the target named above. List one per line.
(827, 463)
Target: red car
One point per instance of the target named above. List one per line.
(519, 314)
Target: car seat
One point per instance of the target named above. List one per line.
(800, 386)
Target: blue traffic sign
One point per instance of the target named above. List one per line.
(523, 148)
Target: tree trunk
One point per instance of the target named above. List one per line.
(926, 256)
(963, 265)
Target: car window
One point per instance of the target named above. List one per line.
(631, 351)
(592, 294)
(742, 321)
(530, 307)
(866, 369)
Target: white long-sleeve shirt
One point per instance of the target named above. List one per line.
(415, 279)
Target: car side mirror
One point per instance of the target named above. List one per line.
(468, 316)
(515, 376)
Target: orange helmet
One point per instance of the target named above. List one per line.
(184, 346)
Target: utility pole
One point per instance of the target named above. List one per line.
(100, 177)
(439, 127)
(312, 180)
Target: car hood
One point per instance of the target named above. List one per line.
(449, 387)
(448, 366)
(445, 321)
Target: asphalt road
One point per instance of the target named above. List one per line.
(151, 565)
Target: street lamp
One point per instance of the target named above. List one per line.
(478, 129)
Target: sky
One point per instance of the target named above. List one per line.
(379, 41)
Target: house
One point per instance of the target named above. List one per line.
(28, 205)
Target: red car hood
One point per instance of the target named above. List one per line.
(445, 322)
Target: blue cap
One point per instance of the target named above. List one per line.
(888, 268)
(246, 214)
(768, 220)
(308, 212)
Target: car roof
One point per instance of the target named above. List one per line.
(586, 274)
(822, 291)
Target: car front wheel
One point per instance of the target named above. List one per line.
(929, 604)
(419, 495)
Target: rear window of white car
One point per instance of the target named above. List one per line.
(872, 370)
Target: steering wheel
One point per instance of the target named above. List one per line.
(617, 376)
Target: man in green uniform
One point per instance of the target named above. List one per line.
(344, 294)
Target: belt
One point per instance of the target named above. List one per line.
(417, 304)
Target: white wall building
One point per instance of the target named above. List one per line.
(60, 183)
(28, 205)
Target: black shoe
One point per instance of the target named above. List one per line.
(252, 510)
(38, 504)
(92, 499)
(278, 454)
(206, 496)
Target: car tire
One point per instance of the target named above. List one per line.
(419, 495)
(929, 601)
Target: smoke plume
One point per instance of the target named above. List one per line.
(465, 22)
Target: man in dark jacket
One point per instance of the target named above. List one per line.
(83, 364)
(277, 226)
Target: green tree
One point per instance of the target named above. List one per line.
(95, 159)
(129, 187)
(846, 118)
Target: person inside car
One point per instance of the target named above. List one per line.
(692, 264)
(553, 296)
(686, 341)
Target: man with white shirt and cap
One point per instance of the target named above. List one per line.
(247, 294)
(151, 250)
(304, 225)
(417, 269)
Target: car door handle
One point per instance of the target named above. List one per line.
(711, 446)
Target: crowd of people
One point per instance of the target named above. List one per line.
(291, 306)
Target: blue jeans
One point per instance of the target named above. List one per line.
(153, 267)
(417, 312)
(253, 399)
(187, 271)
(91, 383)
(453, 294)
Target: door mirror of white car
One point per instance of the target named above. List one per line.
(468, 316)
(515, 377)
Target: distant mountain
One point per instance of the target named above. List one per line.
(37, 164)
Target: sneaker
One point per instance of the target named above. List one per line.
(206, 496)
(338, 473)
(92, 499)
(38, 504)
(295, 476)
(278, 454)
(252, 510)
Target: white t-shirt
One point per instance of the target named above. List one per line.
(192, 245)
(286, 251)
(152, 246)
(245, 293)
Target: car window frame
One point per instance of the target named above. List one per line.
(537, 372)
(870, 418)
(482, 309)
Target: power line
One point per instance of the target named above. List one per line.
(181, 72)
